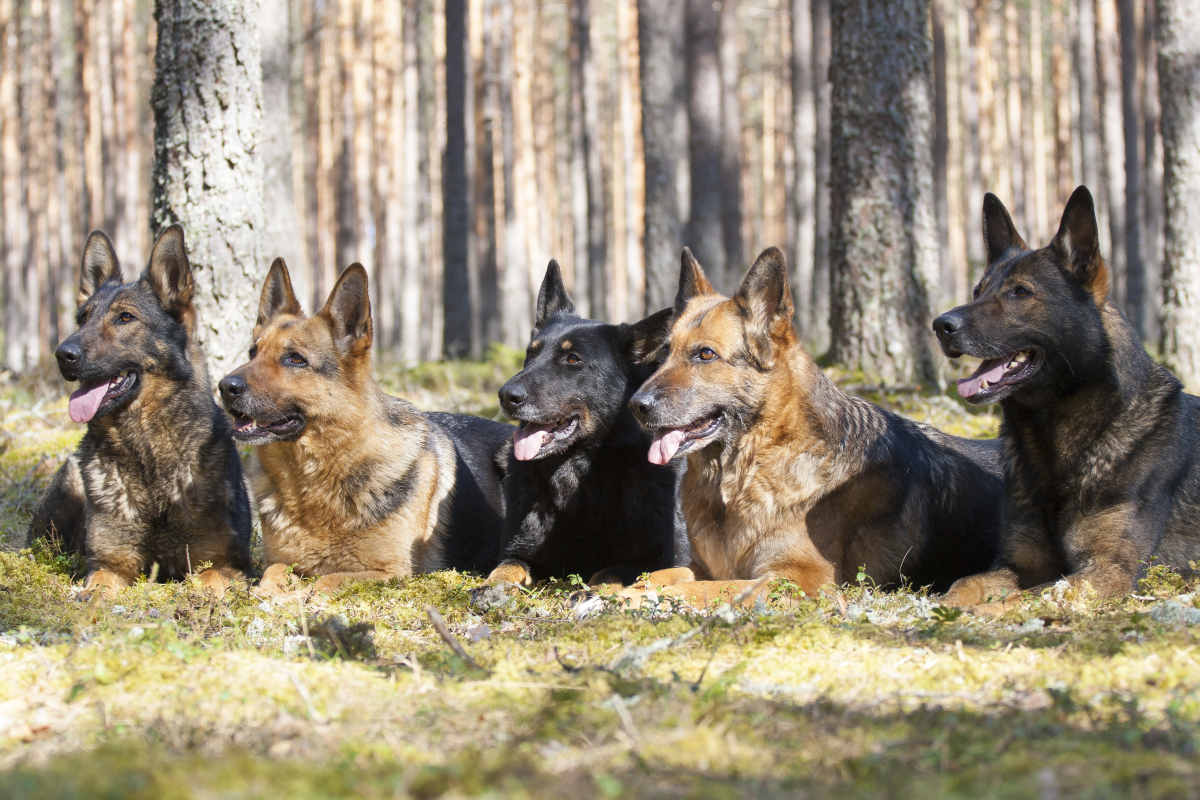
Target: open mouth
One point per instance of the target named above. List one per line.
(247, 429)
(670, 442)
(96, 398)
(534, 440)
(997, 377)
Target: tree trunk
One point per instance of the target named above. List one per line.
(884, 256)
(1013, 114)
(968, 45)
(11, 166)
(1152, 184)
(1089, 127)
(731, 145)
(1060, 69)
(1131, 111)
(631, 146)
(706, 227)
(208, 173)
(1112, 136)
(457, 226)
(435, 143)
(281, 231)
(412, 314)
(822, 272)
(987, 112)
(1037, 113)
(804, 135)
(660, 30)
(941, 155)
(1178, 26)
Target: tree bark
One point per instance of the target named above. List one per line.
(1131, 111)
(208, 172)
(1037, 113)
(884, 256)
(968, 46)
(457, 223)
(822, 273)
(412, 306)
(632, 148)
(1112, 138)
(1178, 26)
(1013, 114)
(1152, 184)
(11, 167)
(660, 31)
(281, 229)
(731, 144)
(706, 227)
(941, 154)
(804, 143)
(1060, 69)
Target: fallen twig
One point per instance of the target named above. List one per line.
(439, 625)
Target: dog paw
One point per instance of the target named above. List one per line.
(989, 610)
(215, 582)
(510, 572)
(276, 580)
(329, 584)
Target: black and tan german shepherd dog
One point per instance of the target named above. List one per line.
(1100, 442)
(156, 479)
(352, 483)
(582, 498)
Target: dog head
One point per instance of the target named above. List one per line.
(578, 373)
(301, 369)
(719, 355)
(1037, 317)
(130, 334)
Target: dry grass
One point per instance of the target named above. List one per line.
(165, 693)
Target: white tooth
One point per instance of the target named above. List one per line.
(983, 385)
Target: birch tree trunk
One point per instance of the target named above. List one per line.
(660, 31)
(1178, 25)
(884, 248)
(208, 172)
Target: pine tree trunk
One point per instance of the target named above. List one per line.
(884, 248)
(660, 28)
(804, 188)
(1015, 156)
(1090, 154)
(457, 223)
(1131, 111)
(705, 233)
(208, 173)
(731, 146)
(1178, 26)
(822, 272)
(412, 306)
(281, 231)
(941, 155)
(968, 46)
(1037, 91)
(1152, 183)
(10, 167)
(1112, 138)
(632, 153)
(1060, 69)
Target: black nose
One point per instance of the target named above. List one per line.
(642, 404)
(231, 386)
(513, 395)
(947, 324)
(68, 353)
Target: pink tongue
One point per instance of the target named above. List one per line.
(990, 371)
(664, 445)
(529, 440)
(85, 401)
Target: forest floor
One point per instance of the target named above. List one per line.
(163, 692)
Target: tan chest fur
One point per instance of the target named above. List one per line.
(342, 501)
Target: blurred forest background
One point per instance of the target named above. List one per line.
(455, 146)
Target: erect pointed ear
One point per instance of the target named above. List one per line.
(1077, 243)
(552, 297)
(692, 280)
(766, 301)
(999, 233)
(277, 296)
(646, 337)
(100, 265)
(169, 275)
(348, 311)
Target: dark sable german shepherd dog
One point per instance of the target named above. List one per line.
(350, 482)
(156, 479)
(1100, 442)
(787, 476)
(582, 498)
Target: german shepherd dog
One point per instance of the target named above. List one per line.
(156, 479)
(582, 499)
(1100, 442)
(350, 482)
(787, 476)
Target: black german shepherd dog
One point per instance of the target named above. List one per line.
(1100, 442)
(581, 497)
(156, 479)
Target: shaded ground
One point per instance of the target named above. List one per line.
(856, 693)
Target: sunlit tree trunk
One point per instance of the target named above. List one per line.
(281, 231)
(804, 191)
(1015, 156)
(822, 272)
(973, 147)
(1131, 113)
(884, 248)
(941, 155)
(1112, 241)
(1060, 69)
(1152, 184)
(731, 144)
(1037, 113)
(1178, 26)
(208, 173)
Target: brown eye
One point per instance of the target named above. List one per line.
(295, 360)
(125, 316)
(1022, 292)
(574, 359)
(707, 354)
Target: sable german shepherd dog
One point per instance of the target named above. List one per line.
(156, 479)
(1100, 442)
(582, 499)
(350, 482)
(787, 476)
